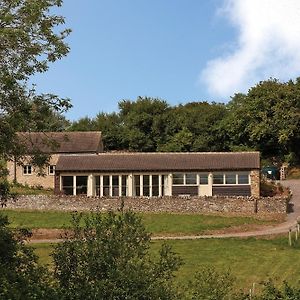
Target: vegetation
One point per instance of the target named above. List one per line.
(156, 223)
(266, 119)
(30, 40)
(248, 260)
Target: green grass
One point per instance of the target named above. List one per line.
(249, 260)
(27, 190)
(157, 223)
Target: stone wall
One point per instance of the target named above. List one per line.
(239, 205)
(255, 183)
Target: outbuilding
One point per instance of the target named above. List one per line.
(159, 174)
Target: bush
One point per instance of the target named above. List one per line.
(108, 258)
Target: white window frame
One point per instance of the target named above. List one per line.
(49, 170)
(236, 178)
(27, 170)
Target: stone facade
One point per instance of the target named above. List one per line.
(238, 205)
(255, 183)
(33, 179)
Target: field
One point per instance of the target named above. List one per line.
(156, 223)
(249, 260)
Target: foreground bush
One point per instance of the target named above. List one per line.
(108, 258)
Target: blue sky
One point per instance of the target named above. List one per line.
(176, 50)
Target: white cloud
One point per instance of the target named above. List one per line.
(268, 45)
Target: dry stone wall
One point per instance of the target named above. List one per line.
(240, 205)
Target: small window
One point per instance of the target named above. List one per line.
(243, 178)
(27, 170)
(178, 178)
(218, 179)
(203, 178)
(51, 170)
(230, 178)
(190, 178)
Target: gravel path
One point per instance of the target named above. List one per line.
(292, 218)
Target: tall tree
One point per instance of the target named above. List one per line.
(29, 41)
(267, 118)
(144, 123)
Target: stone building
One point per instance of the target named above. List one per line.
(56, 144)
(159, 174)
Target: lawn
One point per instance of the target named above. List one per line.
(249, 260)
(157, 223)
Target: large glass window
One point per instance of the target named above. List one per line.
(67, 185)
(190, 178)
(81, 185)
(230, 178)
(218, 179)
(155, 185)
(203, 178)
(137, 185)
(243, 178)
(146, 185)
(97, 181)
(115, 185)
(106, 185)
(124, 185)
(178, 178)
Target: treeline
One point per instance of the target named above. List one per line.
(266, 119)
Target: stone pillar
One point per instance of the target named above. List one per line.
(74, 185)
(130, 185)
(255, 183)
(91, 186)
(168, 184)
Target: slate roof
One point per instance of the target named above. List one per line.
(62, 142)
(193, 161)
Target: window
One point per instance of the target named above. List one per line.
(137, 185)
(81, 185)
(190, 178)
(67, 185)
(105, 185)
(146, 185)
(178, 178)
(124, 185)
(230, 178)
(218, 179)
(27, 170)
(51, 170)
(115, 185)
(243, 178)
(203, 178)
(155, 185)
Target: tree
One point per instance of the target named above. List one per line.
(29, 41)
(108, 258)
(195, 126)
(267, 118)
(20, 275)
(144, 123)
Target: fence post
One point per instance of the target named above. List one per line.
(290, 237)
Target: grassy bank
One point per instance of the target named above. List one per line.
(249, 260)
(157, 223)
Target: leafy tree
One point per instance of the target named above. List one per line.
(29, 41)
(267, 118)
(144, 123)
(198, 120)
(20, 275)
(108, 258)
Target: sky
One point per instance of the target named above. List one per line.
(176, 50)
